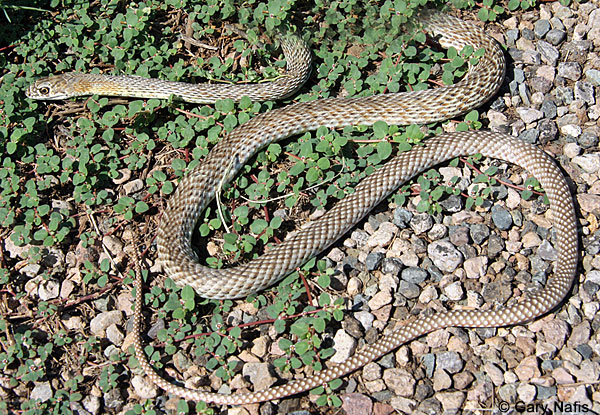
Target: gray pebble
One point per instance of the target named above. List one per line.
(545, 392)
(548, 53)
(449, 361)
(495, 246)
(577, 51)
(584, 91)
(546, 251)
(593, 76)
(402, 217)
(587, 140)
(519, 75)
(479, 233)
(428, 361)
(541, 27)
(585, 351)
(501, 218)
(113, 399)
(452, 204)
(408, 289)
(516, 54)
(564, 95)
(508, 393)
(511, 36)
(548, 131)
(414, 275)
(569, 70)
(528, 34)
(459, 235)
(421, 223)
(513, 87)
(373, 260)
(530, 136)
(549, 109)
(556, 37)
(100, 323)
(430, 406)
(530, 115)
(556, 23)
(391, 266)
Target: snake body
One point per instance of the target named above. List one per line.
(75, 84)
(197, 189)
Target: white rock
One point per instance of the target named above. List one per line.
(344, 346)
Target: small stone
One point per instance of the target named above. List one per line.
(451, 401)
(373, 260)
(48, 290)
(526, 392)
(449, 361)
(454, 291)
(421, 223)
(400, 381)
(589, 203)
(444, 255)
(556, 332)
(372, 371)
(452, 204)
(571, 150)
(344, 346)
(414, 275)
(380, 299)
(354, 286)
(114, 335)
(441, 380)
(365, 319)
(101, 322)
(587, 140)
(556, 37)
(479, 233)
(530, 115)
(42, 391)
(495, 373)
(259, 374)
(549, 54)
(476, 267)
(541, 27)
(143, 388)
(549, 109)
(593, 76)
(408, 289)
(459, 235)
(402, 217)
(547, 252)
(501, 218)
(527, 369)
(569, 70)
(391, 266)
(383, 235)
(133, 186)
(584, 91)
(356, 404)
(92, 404)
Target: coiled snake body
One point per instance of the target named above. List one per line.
(197, 189)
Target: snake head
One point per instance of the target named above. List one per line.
(53, 88)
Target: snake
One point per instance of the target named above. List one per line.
(197, 189)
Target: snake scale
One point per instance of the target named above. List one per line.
(197, 189)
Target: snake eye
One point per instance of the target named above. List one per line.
(44, 90)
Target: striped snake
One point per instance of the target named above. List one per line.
(197, 189)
